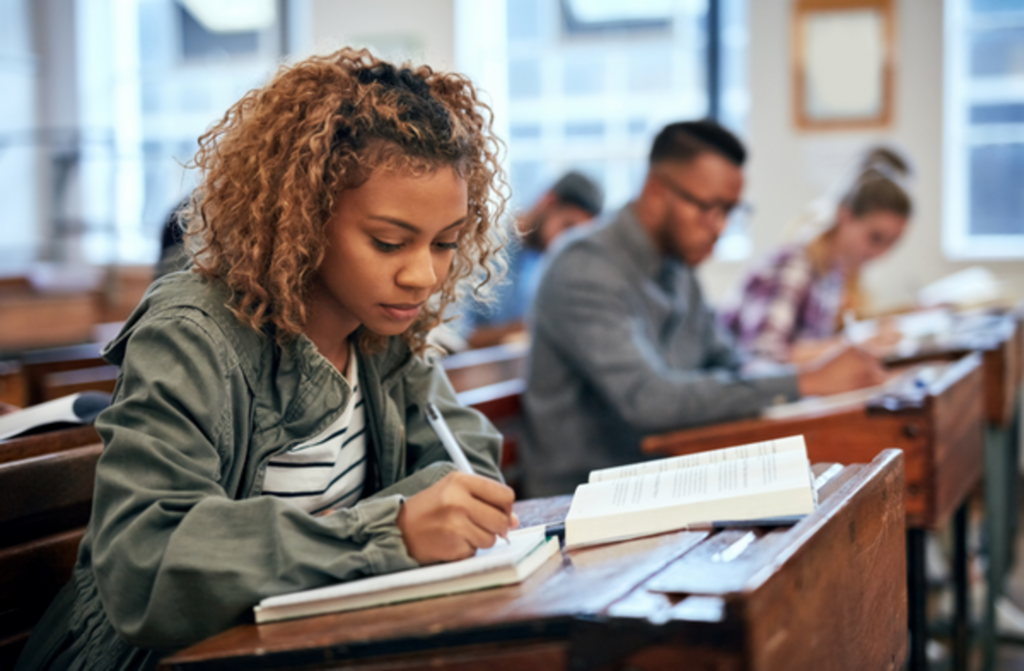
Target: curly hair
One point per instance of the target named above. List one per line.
(273, 166)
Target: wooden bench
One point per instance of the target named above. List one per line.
(41, 319)
(477, 368)
(492, 380)
(38, 367)
(501, 403)
(45, 502)
(23, 447)
(13, 386)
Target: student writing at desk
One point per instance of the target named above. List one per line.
(266, 434)
(790, 308)
(623, 343)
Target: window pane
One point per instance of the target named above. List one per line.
(650, 68)
(997, 52)
(1012, 113)
(524, 79)
(584, 130)
(997, 200)
(593, 80)
(527, 181)
(525, 131)
(997, 5)
(584, 73)
(524, 20)
(198, 42)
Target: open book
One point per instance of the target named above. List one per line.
(80, 408)
(503, 564)
(772, 479)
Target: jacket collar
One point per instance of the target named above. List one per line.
(633, 239)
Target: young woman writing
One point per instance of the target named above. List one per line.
(266, 433)
(791, 308)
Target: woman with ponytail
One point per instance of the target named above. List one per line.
(791, 307)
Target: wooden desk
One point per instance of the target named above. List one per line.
(25, 447)
(999, 337)
(942, 435)
(826, 593)
(477, 368)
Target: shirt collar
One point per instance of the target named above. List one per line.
(636, 242)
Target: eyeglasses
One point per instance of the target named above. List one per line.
(725, 210)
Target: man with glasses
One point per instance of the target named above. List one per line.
(623, 343)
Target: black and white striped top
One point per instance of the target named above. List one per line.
(328, 470)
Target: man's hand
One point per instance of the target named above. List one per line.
(455, 516)
(841, 369)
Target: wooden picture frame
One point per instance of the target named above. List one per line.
(843, 63)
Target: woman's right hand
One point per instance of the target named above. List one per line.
(456, 515)
(842, 369)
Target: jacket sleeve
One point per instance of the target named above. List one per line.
(583, 310)
(475, 434)
(176, 558)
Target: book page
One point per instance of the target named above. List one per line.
(771, 484)
(766, 472)
(790, 444)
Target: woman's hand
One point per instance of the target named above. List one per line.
(455, 516)
(842, 369)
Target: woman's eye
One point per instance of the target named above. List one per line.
(447, 246)
(385, 246)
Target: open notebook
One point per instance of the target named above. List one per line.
(771, 479)
(503, 564)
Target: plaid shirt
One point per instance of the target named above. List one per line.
(783, 301)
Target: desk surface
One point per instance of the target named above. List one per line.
(1000, 339)
(826, 593)
(941, 433)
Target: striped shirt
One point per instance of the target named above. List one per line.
(328, 470)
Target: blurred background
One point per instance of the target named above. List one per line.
(104, 100)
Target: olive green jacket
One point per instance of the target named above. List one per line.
(181, 545)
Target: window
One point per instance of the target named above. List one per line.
(984, 208)
(597, 79)
(93, 145)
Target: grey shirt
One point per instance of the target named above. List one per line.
(624, 345)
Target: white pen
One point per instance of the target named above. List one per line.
(440, 427)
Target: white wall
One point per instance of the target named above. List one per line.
(421, 30)
(788, 167)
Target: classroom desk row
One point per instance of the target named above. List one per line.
(826, 593)
(943, 418)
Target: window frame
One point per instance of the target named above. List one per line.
(958, 243)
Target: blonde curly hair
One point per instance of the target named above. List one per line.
(274, 165)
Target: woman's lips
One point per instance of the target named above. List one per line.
(402, 311)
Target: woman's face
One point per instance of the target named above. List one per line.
(390, 245)
(861, 239)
